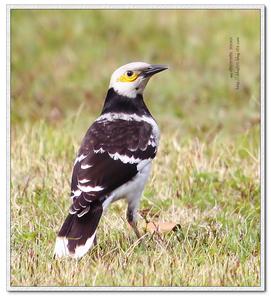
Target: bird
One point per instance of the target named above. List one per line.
(113, 161)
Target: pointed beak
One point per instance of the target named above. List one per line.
(153, 69)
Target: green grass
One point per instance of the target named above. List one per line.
(205, 176)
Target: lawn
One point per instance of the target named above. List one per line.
(205, 177)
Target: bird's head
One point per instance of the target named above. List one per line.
(131, 79)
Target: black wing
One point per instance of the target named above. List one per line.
(112, 152)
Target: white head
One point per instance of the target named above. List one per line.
(131, 79)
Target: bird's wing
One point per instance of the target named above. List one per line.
(111, 154)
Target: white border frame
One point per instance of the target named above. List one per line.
(260, 7)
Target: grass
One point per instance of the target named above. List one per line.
(205, 177)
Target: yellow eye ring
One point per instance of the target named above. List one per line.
(128, 76)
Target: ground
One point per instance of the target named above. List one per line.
(205, 177)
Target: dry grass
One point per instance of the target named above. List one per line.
(217, 206)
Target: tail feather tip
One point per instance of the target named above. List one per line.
(81, 250)
(61, 247)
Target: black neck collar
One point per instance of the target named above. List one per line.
(122, 104)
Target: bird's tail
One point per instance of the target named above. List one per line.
(77, 234)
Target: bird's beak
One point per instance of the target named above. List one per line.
(153, 69)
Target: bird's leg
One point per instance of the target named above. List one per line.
(134, 226)
(131, 218)
(95, 241)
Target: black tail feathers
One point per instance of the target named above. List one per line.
(78, 234)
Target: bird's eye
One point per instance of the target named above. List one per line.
(129, 73)
(129, 76)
